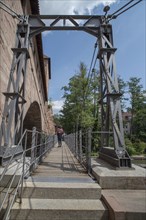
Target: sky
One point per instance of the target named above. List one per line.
(68, 48)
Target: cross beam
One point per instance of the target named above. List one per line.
(87, 23)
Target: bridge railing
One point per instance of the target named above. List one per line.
(80, 145)
(35, 145)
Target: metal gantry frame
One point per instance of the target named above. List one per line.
(12, 117)
(30, 26)
(111, 114)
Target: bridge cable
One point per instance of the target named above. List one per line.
(10, 12)
(95, 46)
(122, 7)
(128, 8)
(89, 74)
(92, 68)
(114, 15)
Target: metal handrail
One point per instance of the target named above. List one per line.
(21, 164)
(80, 149)
(12, 157)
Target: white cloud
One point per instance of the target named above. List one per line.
(57, 105)
(70, 7)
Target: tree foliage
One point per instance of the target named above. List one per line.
(79, 95)
(136, 94)
(122, 88)
(81, 111)
(137, 108)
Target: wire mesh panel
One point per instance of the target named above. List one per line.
(80, 145)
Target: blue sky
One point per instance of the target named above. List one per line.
(68, 48)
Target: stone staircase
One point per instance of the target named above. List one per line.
(60, 190)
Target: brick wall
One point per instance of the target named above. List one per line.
(34, 84)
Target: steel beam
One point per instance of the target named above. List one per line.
(111, 114)
(12, 117)
(87, 23)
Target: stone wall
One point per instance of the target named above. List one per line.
(35, 88)
(50, 119)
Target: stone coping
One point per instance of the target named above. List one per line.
(109, 178)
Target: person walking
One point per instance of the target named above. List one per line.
(59, 132)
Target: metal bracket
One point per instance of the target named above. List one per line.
(13, 95)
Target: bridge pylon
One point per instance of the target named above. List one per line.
(112, 134)
(12, 118)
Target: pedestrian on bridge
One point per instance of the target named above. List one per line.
(60, 133)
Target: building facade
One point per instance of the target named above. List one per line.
(38, 68)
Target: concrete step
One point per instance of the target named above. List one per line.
(61, 179)
(3, 192)
(58, 209)
(61, 190)
(60, 168)
(109, 178)
(55, 171)
(7, 178)
(125, 204)
(3, 204)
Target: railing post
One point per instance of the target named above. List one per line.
(89, 151)
(74, 150)
(77, 144)
(80, 146)
(53, 140)
(33, 143)
(45, 144)
(23, 168)
(36, 150)
(41, 148)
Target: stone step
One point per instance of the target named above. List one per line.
(61, 174)
(61, 190)
(58, 209)
(61, 179)
(125, 204)
(3, 192)
(5, 181)
(72, 169)
(11, 171)
(108, 178)
(5, 200)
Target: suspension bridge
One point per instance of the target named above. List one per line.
(40, 180)
(66, 183)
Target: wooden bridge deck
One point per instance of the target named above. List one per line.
(60, 165)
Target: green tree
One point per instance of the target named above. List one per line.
(139, 123)
(79, 106)
(57, 119)
(95, 88)
(122, 88)
(136, 98)
(138, 110)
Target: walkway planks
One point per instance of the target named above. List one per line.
(60, 165)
